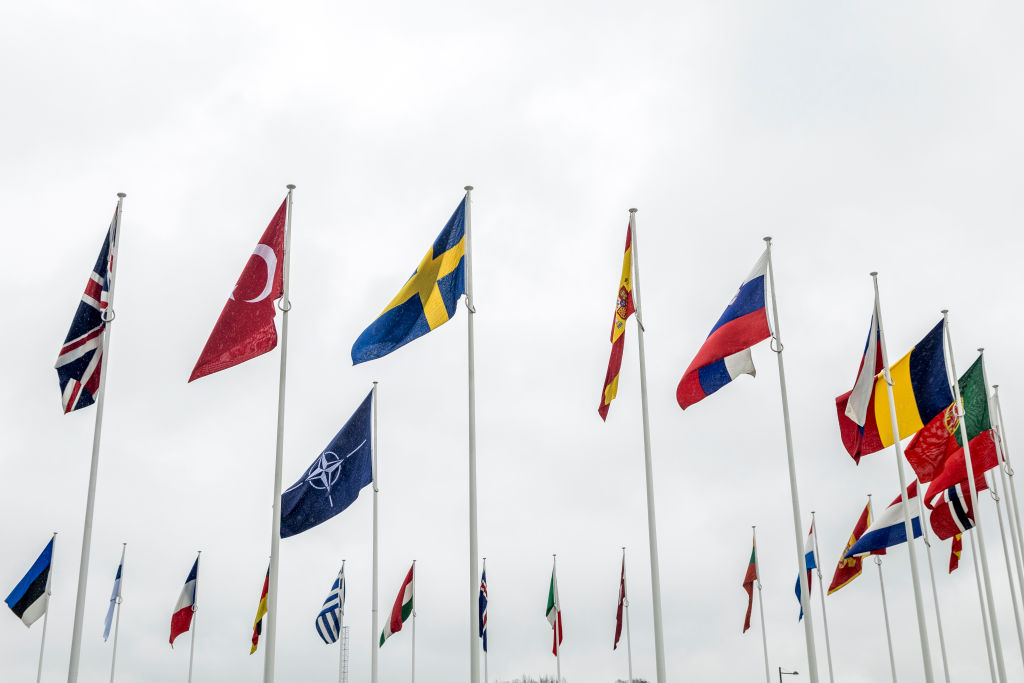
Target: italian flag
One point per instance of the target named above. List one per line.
(554, 614)
(402, 609)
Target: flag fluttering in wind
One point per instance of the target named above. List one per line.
(554, 614)
(402, 609)
(749, 579)
(426, 301)
(983, 458)
(335, 478)
(889, 528)
(725, 354)
(245, 328)
(955, 551)
(30, 597)
(261, 611)
(621, 605)
(80, 358)
(482, 604)
(952, 512)
(850, 567)
(181, 618)
(811, 562)
(328, 621)
(115, 597)
(623, 309)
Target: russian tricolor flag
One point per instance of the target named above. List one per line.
(890, 528)
(725, 354)
(181, 620)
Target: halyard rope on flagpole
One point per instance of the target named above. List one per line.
(625, 606)
(375, 583)
(821, 594)
(935, 592)
(777, 346)
(117, 615)
(341, 627)
(760, 607)
(474, 574)
(984, 612)
(1009, 571)
(885, 605)
(193, 625)
(49, 577)
(1005, 452)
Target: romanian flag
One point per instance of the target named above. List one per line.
(748, 584)
(257, 628)
(955, 552)
(850, 567)
(920, 389)
(623, 309)
(426, 301)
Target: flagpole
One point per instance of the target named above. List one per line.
(195, 619)
(474, 654)
(652, 527)
(1005, 453)
(90, 502)
(1009, 571)
(984, 613)
(285, 304)
(885, 603)
(777, 347)
(117, 612)
(341, 632)
(821, 594)
(46, 614)
(375, 632)
(972, 485)
(558, 620)
(935, 592)
(486, 677)
(625, 604)
(926, 654)
(760, 607)
(414, 621)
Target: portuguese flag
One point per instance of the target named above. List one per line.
(748, 584)
(403, 608)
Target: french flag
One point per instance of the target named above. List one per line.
(181, 620)
(889, 529)
(811, 562)
(725, 354)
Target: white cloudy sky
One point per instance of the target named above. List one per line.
(863, 136)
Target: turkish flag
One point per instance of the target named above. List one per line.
(245, 328)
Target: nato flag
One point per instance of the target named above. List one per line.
(334, 480)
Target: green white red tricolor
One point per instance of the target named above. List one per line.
(402, 609)
(554, 614)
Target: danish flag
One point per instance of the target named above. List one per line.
(78, 365)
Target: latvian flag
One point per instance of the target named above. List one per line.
(181, 619)
(403, 608)
(30, 597)
(78, 364)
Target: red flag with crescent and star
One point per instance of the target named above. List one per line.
(245, 328)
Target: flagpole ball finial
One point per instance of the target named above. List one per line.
(873, 273)
(634, 210)
(468, 188)
(290, 186)
(122, 195)
(767, 238)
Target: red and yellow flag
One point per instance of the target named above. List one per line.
(623, 309)
(257, 627)
(955, 552)
(850, 567)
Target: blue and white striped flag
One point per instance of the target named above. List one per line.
(328, 622)
(115, 597)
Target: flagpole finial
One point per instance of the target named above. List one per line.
(767, 239)
(944, 311)
(996, 387)
(981, 349)
(468, 188)
(873, 273)
(290, 186)
(633, 210)
(122, 195)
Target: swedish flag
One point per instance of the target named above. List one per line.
(428, 298)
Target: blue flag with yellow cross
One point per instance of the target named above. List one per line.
(426, 301)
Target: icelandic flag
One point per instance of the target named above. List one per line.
(328, 621)
(335, 478)
(31, 596)
(889, 529)
(181, 619)
(725, 354)
(115, 597)
(811, 561)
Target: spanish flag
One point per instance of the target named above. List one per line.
(623, 309)
(257, 628)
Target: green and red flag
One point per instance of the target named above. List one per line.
(403, 608)
(554, 614)
(623, 309)
(748, 583)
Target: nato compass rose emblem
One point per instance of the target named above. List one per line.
(324, 473)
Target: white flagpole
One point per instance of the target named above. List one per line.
(984, 612)
(1009, 571)
(558, 618)
(474, 574)
(885, 613)
(414, 621)
(90, 502)
(486, 678)
(195, 620)
(986, 577)
(374, 626)
(285, 304)
(805, 604)
(117, 613)
(1004, 451)
(42, 642)
(341, 634)
(926, 654)
(935, 592)
(625, 606)
(652, 527)
(821, 594)
(760, 607)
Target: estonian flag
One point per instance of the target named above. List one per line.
(29, 598)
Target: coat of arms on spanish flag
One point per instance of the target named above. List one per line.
(623, 309)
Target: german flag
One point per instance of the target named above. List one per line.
(623, 309)
(257, 628)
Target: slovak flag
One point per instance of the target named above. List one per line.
(889, 529)
(245, 328)
(811, 562)
(725, 354)
(181, 619)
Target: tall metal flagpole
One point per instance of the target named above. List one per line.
(821, 594)
(1009, 571)
(984, 612)
(805, 604)
(625, 605)
(935, 592)
(117, 613)
(1005, 453)
(486, 675)
(885, 604)
(42, 642)
(195, 619)
(341, 634)
(285, 304)
(558, 615)
(413, 621)
(926, 654)
(474, 653)
(972, 485)
(760, 607)
(90, 502)
(652, 527)
(374, 626)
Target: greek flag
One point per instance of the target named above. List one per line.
(328, 622)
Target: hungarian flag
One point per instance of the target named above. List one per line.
(245, 328)
(554, 614)
(257, 627)
(748, 584)
(622, 603)
(850, 567)
(403, 608)
(955, 552)
(623, 309)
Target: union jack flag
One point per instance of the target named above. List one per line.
(78, 364)
(483, 606)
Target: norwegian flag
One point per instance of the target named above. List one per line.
(78, 365)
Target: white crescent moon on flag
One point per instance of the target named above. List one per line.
(270, 258)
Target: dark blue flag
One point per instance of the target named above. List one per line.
(334, 480)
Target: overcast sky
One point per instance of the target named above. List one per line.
(862, 136)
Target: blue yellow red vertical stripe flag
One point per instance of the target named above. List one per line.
(623, 309)
(850, 567)
(257, 627)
